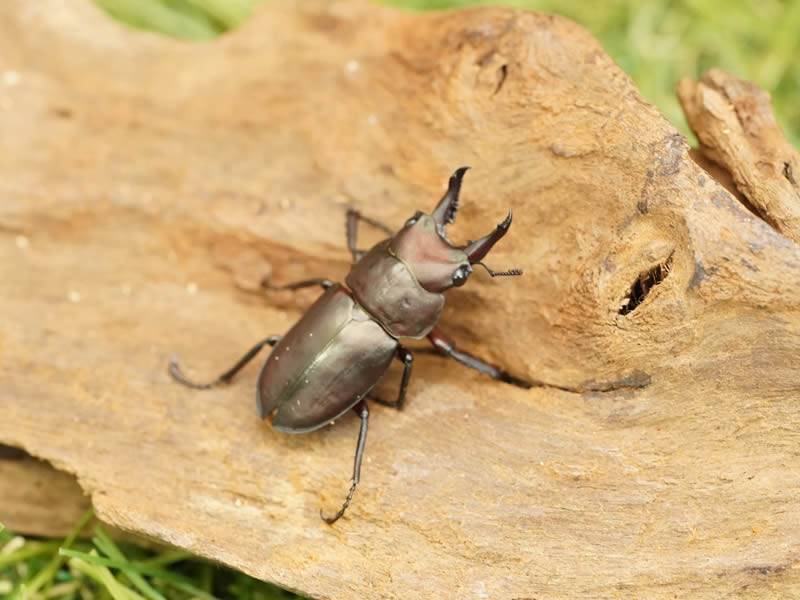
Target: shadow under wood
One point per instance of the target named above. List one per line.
(38, 499)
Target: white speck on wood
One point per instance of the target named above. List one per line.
(11, 78)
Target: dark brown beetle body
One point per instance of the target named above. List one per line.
(330, 360)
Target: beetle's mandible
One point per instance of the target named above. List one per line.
(334, 355)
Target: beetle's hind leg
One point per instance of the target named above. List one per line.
(405, 355)
(353, 217)
(177, 374)
(444, 345)
(363, 412)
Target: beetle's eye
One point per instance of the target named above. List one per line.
(413, 219)
(460, 276)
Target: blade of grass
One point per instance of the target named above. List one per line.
(47, 574)
(107, 546)
(172, 578)
(116, 564)
(29, 550)
(206, 577)
(157, 16)
(104, 577)
(64, 589)
(228, 12)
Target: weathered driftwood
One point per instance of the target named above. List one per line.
(734, 123)
(146, 186)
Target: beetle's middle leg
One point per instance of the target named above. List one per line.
(353, 217)
(363, 411)
(403, 354)
(177, 374)
(295, 285)
(447, 346)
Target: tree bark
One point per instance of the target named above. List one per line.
(148, 185)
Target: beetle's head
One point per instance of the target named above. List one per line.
(422, 244)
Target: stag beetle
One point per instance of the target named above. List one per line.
(334, 355)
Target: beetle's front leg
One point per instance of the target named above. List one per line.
(447, 346)
(353, 217)
(177, 374)
(403, 354)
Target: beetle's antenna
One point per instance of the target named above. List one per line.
(508, 273)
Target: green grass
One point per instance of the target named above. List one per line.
(100, 568)
(656, 43)
(188, 19)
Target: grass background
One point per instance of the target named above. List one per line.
(97, 567)
(656, 42)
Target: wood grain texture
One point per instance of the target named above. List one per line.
(660, 456)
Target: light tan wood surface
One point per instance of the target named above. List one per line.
(147, 185)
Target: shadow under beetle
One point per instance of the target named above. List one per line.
(335, 354)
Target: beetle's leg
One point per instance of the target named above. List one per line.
(178, 375)
(403, 354)
(447, 346)
(353, 217)
(325, 283)
(363, 411)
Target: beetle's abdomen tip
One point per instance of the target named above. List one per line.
(262, 410)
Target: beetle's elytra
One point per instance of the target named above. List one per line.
(334, 355)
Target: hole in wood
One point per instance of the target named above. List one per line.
(789, 173)
(502, 73)
(643, 284)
